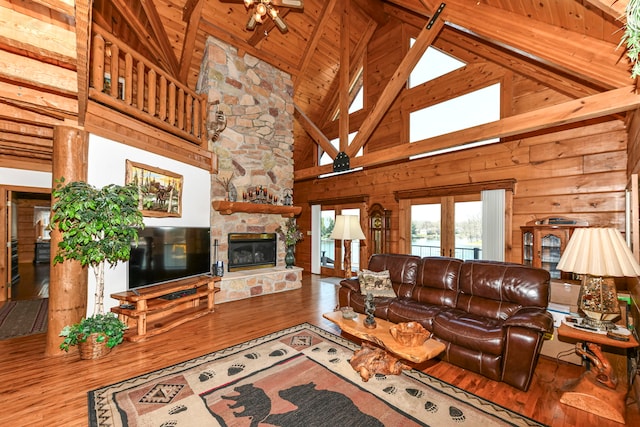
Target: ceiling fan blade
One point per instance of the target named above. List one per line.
(296, 4)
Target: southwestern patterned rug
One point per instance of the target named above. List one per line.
(20, 318)
(299, 376)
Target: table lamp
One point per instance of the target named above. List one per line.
(347, 228)
(599, 255)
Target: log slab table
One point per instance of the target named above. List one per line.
(381, 336)
(587, 392)
(147, 311)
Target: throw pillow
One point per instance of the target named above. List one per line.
(377, 283)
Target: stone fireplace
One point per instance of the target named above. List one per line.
(254, 151)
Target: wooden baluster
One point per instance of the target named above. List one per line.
(115, 67)
(152, 92)
(189, 114)
(172, 104)
(140, 86)
(97, 63)
(180, 109)
(128, 78)
(204, 137)
(162, 113)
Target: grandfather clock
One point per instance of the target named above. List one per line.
(379, 229)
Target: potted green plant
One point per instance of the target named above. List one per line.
(99, 328)
(97, 227)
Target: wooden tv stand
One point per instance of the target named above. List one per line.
(151, 314)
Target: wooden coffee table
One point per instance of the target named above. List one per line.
(382, 337)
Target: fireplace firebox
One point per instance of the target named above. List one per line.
(252, 250)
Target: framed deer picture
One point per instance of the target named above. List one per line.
(160, 191)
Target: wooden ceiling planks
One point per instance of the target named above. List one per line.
(570, 44)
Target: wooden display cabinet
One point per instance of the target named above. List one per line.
(544, 241)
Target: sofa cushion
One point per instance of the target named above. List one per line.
(497, 290)
(402, 268)
(377, 283)
(468, 330)
(436, 283)
(408, 310)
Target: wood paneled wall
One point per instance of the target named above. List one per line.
(576, 171)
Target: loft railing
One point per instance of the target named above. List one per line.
(125, 81)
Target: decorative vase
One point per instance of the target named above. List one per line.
(92, 349)
(290, 258)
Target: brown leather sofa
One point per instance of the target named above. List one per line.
(491, 316)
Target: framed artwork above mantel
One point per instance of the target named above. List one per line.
(160, 191)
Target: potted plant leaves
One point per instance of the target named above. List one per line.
(97, 227)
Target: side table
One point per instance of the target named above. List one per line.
(587, 393)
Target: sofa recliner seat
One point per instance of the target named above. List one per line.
(491, 316)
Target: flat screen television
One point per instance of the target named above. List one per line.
(168, 253)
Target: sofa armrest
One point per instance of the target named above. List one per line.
(352, 284)
(532, 318)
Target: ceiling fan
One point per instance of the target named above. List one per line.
(261, 8)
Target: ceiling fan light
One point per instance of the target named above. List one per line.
(273, 12)
(282, 26)
(257, 17)
(251, 24)
(261, 9)
(248, 3)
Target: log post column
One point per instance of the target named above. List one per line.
(68, 280)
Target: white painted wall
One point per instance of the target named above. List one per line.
(107, 165)
(25, 178)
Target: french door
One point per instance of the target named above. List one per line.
(446, 226)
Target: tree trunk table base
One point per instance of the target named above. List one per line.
(587, 394)
(367, 361)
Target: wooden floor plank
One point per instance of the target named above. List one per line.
(52, 391)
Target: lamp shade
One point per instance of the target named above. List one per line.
(347, 227)
(598, 252)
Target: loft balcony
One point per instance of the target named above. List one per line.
(129, 94)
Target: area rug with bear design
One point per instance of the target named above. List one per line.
(299, 376)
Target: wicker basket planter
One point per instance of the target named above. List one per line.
(92, 349)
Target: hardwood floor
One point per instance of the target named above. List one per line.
(52, 391)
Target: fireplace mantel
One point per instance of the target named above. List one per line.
(227, 208)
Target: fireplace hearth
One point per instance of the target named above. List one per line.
(252, 250)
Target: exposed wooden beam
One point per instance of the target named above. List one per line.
(193, 15)
(318, 30)
(144, 37)
(83, 14)
(161, 37)
(343, 75)
(373, 8)
(331, 101)
(43, 41)
(10, 111)
(63, 6)
(515, 63)
(315, 133)
(613, 8)
(396, 83)
(587, 58)
(9, 126)
(39, 100)
(599, 105)
(31, 72)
